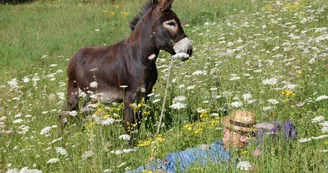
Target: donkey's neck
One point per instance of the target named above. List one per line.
(143, 44)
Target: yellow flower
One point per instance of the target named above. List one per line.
(188, 127)
(105, 11)
(124, 13)
(244, 152)
(112, 13)
(299, 72)
(116, 6)
(144, 142)
(147, 171)
(268, 8)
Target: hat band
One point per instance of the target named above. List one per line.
(241, 124)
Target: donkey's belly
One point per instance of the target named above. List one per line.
(110, 96)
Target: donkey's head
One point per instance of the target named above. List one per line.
(164, 27)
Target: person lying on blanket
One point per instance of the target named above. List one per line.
(239, 127)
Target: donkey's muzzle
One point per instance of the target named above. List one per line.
(183, 46)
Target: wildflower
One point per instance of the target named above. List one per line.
(61, 151)
(125, 13)
(107, 121)
(273, 101)
(26, 79)
(116, 6)
(235, 78)
(318, 119)
(116, 152)
(94, 84)
(125, 137)
(45, 130)
(105, 11)
(13, 83)
(17, 121)
(179, 99)
(236, 104)
(247, 96)
(87, 155)
(97, 30)
(73, 113)
(53, 160)
(26, 170)
(191, 87)
(188, 127)
(178, 105)
(271, 81)
(199, 72)
(267, 108)
(323, 97)
(108, 171)
(55, 140)
(244, 165)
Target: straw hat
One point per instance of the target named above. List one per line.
(240, 120)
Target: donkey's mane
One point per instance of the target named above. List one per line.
(147, 6)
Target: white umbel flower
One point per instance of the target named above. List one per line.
(53, 160)
(244, 165)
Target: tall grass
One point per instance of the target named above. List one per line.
(263, 56)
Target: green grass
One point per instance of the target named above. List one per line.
(269, 41)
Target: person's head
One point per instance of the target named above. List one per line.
(238, 128)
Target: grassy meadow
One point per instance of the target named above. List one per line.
(269, 57)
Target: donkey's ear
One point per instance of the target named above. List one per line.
(165, 4)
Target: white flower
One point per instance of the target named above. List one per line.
(17, 121)
(53, 160)
(156, 100)
(107, 121)
(122, 164)
(26, 79)
(178, 105)
(94, 84)
(55, 140)
(318, 119)
(271, 81)
(130, 150)
(108, 171)
(267, 108)
(244, 165)
(13, 83)
(179, 99)
(323, 97)
(87, 154)
(73, 113)
(199, 72)
(191, 87)
(247, 96)
(234, 78)
(125, 137)
(273, 101)
(230, 44)
(61, 151)
(45, 130)
(26, 170)
(97, 30)
(236, 104)
(61, 95)
(12, 170)
(302, 140)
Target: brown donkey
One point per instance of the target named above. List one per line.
(130, 62)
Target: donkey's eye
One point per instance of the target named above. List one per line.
(171, 23)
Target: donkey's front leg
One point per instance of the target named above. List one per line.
(129, 119)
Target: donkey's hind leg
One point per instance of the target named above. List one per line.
(71, 104)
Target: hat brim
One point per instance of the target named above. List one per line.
(226, 123)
